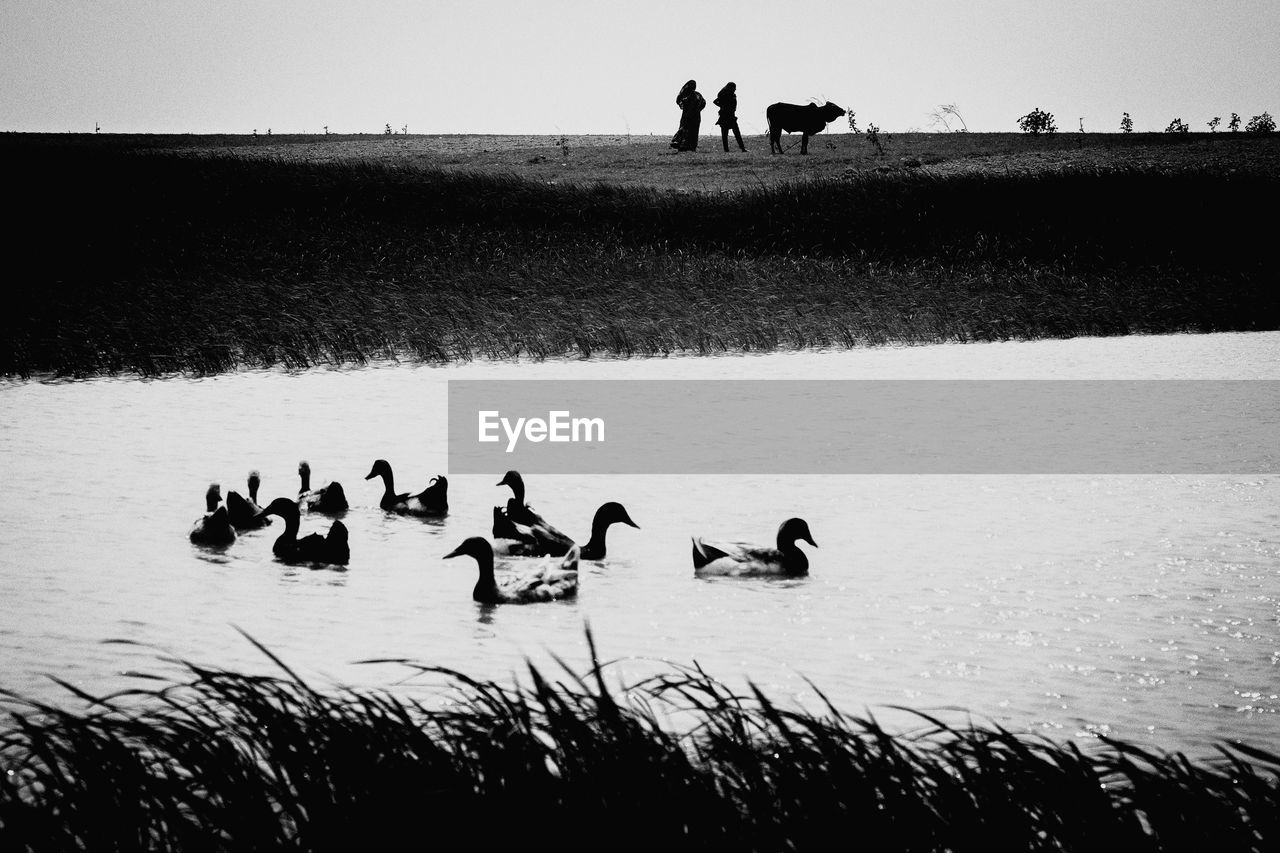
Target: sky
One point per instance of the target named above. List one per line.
(578, 66)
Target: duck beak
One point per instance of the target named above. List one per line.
(809, 539)
(456, 552)
(632, 523)
(370, 475)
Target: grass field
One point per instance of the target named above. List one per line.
(240, 762)
(148, 255)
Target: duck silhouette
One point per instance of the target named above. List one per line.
(245, 514)
(550, 580)
(431, 501)
(740, 558)
(519, 523)
(313, 548)
(326, 499)
(537, 540)
(214, 527)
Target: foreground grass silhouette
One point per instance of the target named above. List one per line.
(231, 761)
(148, 263)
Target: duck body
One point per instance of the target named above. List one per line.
(245, 514)
(214, 527)
(743, 559)
(333, 547)
(330, 499)
(431, 502)
(551, 580)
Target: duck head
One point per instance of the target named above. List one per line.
(793, 530)
(612, 513)
(381, 468)
(283, 507)
(304, 472)
(254, 482)
(212, 497)
(516, 482)
(477, 547)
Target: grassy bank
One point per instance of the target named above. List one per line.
(146, 261)
(238, 762)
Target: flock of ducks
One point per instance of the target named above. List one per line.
(518, 532)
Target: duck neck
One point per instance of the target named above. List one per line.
(253, 490)
(388, 485)
(211, 502)
(794, 559)
(517, 489)
(292, 521)
(486, 588)
(595, 547)
(305, 474)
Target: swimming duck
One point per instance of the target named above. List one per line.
(431, 501)
(214, 527)
(245, 514)
(519, 523)
(738, 558)
(549, 581)
(312, 548)
(538, 540)
(328, 499)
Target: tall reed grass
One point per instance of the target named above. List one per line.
(230, 761)
(149, 263)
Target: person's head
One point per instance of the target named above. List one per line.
(690, 86)
(729, 88)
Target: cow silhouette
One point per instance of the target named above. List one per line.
(793, 118)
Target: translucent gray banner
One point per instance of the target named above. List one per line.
(865, 427)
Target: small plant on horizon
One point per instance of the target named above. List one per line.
(1234, 124)
(1261, 124)
(388, 130)
(944, 115)
(1081, 124)
(405, 130)
(564, 146)
(1126, 124)
(1213, 124)
(853, 124)
(873, 136)
(1038, 121)
(1177, 126)
(326, 130)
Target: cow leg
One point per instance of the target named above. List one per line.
(804, 143)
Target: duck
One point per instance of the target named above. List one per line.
(520, 524)
(245, 514)
(739, 558)
(547, 581)
(431, 501)
(539, 540)
(214, 527)
(326, 499)
(312, 548)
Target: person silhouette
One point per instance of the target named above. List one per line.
(727, 101)
(691, 104)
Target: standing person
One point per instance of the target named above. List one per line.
(727, 101)
(691, 104)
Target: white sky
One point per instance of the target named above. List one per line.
(577, 66)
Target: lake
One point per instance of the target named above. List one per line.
(1144, 607)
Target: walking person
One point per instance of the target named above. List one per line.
(691, 104)
(727, 101)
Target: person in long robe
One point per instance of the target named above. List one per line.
(691, 104)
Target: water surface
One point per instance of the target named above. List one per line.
(1143, 607)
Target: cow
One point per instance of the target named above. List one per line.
(793, 118)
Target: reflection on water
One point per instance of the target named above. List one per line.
(1144, 607)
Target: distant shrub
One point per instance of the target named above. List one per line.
(1037, 121)
(1234, 124)
(853, 124)
(873, 136)
(1126, 124)
(1177, 126)
(1261, 124)
(1213, 124)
